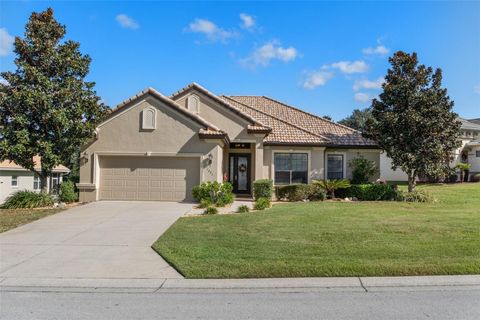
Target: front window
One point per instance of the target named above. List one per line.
(14, 181)
(335, 166)
(36, 182)
(291, 168)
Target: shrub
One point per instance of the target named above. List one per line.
(415, 196)
(205, 203)
(316, 193)
(262, 204)
(362, 169)
(300, 192)
(263, 188)
(330, 186)
(67, 192)
(294, 192)
(243, 209)
(369, 192)
(476, 177)
(210, 210)
(218, 194)
(28, 199)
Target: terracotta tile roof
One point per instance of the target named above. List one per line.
(11, 165)
(210, 134)
(216, 98)
(282, 132)
(336, 134)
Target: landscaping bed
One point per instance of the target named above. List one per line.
(333, 239)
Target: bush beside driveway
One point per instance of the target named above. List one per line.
(333, 239)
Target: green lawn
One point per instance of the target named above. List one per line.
(10, 219)
(333, 239)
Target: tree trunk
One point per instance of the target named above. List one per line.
(43, 183)
(462, 175)
(411, 181)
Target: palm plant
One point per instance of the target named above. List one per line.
(463, 167)
(330, 186)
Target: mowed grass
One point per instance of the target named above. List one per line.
(10, 219)
(333, 239)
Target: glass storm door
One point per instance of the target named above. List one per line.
(240, 173)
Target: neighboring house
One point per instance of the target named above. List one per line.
(14, 177)
(153, 147)
(468, 152)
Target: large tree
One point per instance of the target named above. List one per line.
(413, 120)
(357, 120)
(46, 106)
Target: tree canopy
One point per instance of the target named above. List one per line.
(357, 120)
(47, 107)
(413, 120)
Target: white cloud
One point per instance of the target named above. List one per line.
(127, 22)
(349, 67)
(248, 22)
(317, 79)
(477, 88)
(272, 50)
(6, 42)
(380, 50)
(210, 30)
(3, 81)
(368, 84)
(362, 97)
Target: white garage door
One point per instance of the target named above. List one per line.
(148, 178)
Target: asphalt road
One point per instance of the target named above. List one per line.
(385, 303)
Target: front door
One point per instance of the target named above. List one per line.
(239, 169)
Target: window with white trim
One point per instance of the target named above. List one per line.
(36, 182)
(148, 118)
(335, 166)
(14, 182)
(291, 168)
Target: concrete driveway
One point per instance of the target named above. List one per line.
(106, 239)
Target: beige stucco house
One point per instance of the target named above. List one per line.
(154, 147)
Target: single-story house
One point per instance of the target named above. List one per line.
(14, 177)
(468, 152)
(154, 147)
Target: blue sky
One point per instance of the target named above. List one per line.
(325, 57)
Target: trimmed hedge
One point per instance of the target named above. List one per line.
(263, 188)
(369, 192)
(28, 199)
(300, 192)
